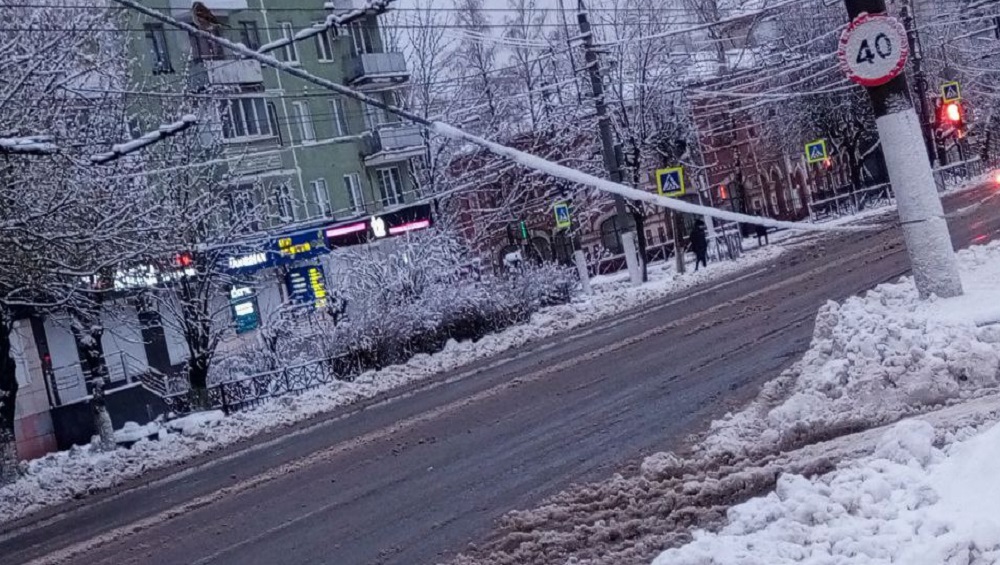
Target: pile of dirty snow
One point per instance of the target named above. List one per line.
(909, 503)
(875, 359)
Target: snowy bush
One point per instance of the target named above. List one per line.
(403, 298)
(417, 295)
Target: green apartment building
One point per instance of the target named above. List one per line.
(314, 156)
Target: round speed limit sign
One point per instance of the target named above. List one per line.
(873, 49)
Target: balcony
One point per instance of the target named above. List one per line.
(225, 72)
(182, 8)
(341, 7)
(377, 70)
(394, 143)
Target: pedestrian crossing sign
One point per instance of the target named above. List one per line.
(670, 182)
(816, 151)
(562, 215)
(951, 92)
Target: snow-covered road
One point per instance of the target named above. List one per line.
(442, 458)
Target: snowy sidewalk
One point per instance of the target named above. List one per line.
(923, 491)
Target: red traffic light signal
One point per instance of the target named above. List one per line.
(953, 112)
(951, 119)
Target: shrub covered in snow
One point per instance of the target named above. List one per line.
(417, 295)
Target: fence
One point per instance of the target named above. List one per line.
(955, 174)
(235, 395)
(849, 203)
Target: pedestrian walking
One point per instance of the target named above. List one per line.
(762, 238)
(699, 244)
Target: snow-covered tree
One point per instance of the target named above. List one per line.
(210, 216)
(50, 53)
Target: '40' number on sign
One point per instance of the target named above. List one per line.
(882, 49)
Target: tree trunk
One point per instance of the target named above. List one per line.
(9, 470)
(88, 331)
(198, 376)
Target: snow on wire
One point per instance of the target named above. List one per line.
(121, 149)
(524, 159)
(29, 145)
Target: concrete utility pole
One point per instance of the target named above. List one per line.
(925, 230)
(919, 77)
(611, 162)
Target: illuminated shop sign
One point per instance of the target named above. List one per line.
(249, 261)
(390, 224)
(278, 252)
(307, 286)
(244, 308)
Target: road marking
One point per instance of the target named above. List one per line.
(117, 534)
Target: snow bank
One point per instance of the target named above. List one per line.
(908, 503)
(876, 358)
(63, 476)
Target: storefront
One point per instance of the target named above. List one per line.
(375, 228)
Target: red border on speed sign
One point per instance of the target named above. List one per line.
(886, 50)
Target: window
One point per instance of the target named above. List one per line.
(286, 206)
(241, 209)
(375, 117)
(611, 233)
(290, 52)
(390, 186)
(304, 120)
(205, 50)
(352, 184)
(322, 194)
(338, 117)
(249, 34)
(324, 47)
(245, 117)
(157, 40)
(362, 36)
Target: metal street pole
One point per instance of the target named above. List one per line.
(925, 230)
(604, 123)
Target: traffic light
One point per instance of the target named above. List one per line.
(828, 164)
(518, 231)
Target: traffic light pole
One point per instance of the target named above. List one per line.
(611, 162)
(925, 230)
(919, 78)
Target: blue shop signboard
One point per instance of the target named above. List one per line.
(307, 286)
(282, 251)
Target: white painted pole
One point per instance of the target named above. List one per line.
(631, 246)
(580, 258)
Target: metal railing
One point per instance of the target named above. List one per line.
(849, 203)
(123, 368)
(239, 394)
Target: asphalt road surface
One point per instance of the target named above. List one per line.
(415, 476)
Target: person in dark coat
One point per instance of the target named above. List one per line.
(699, 244)
(762, 239)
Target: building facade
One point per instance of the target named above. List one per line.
(321, 171)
